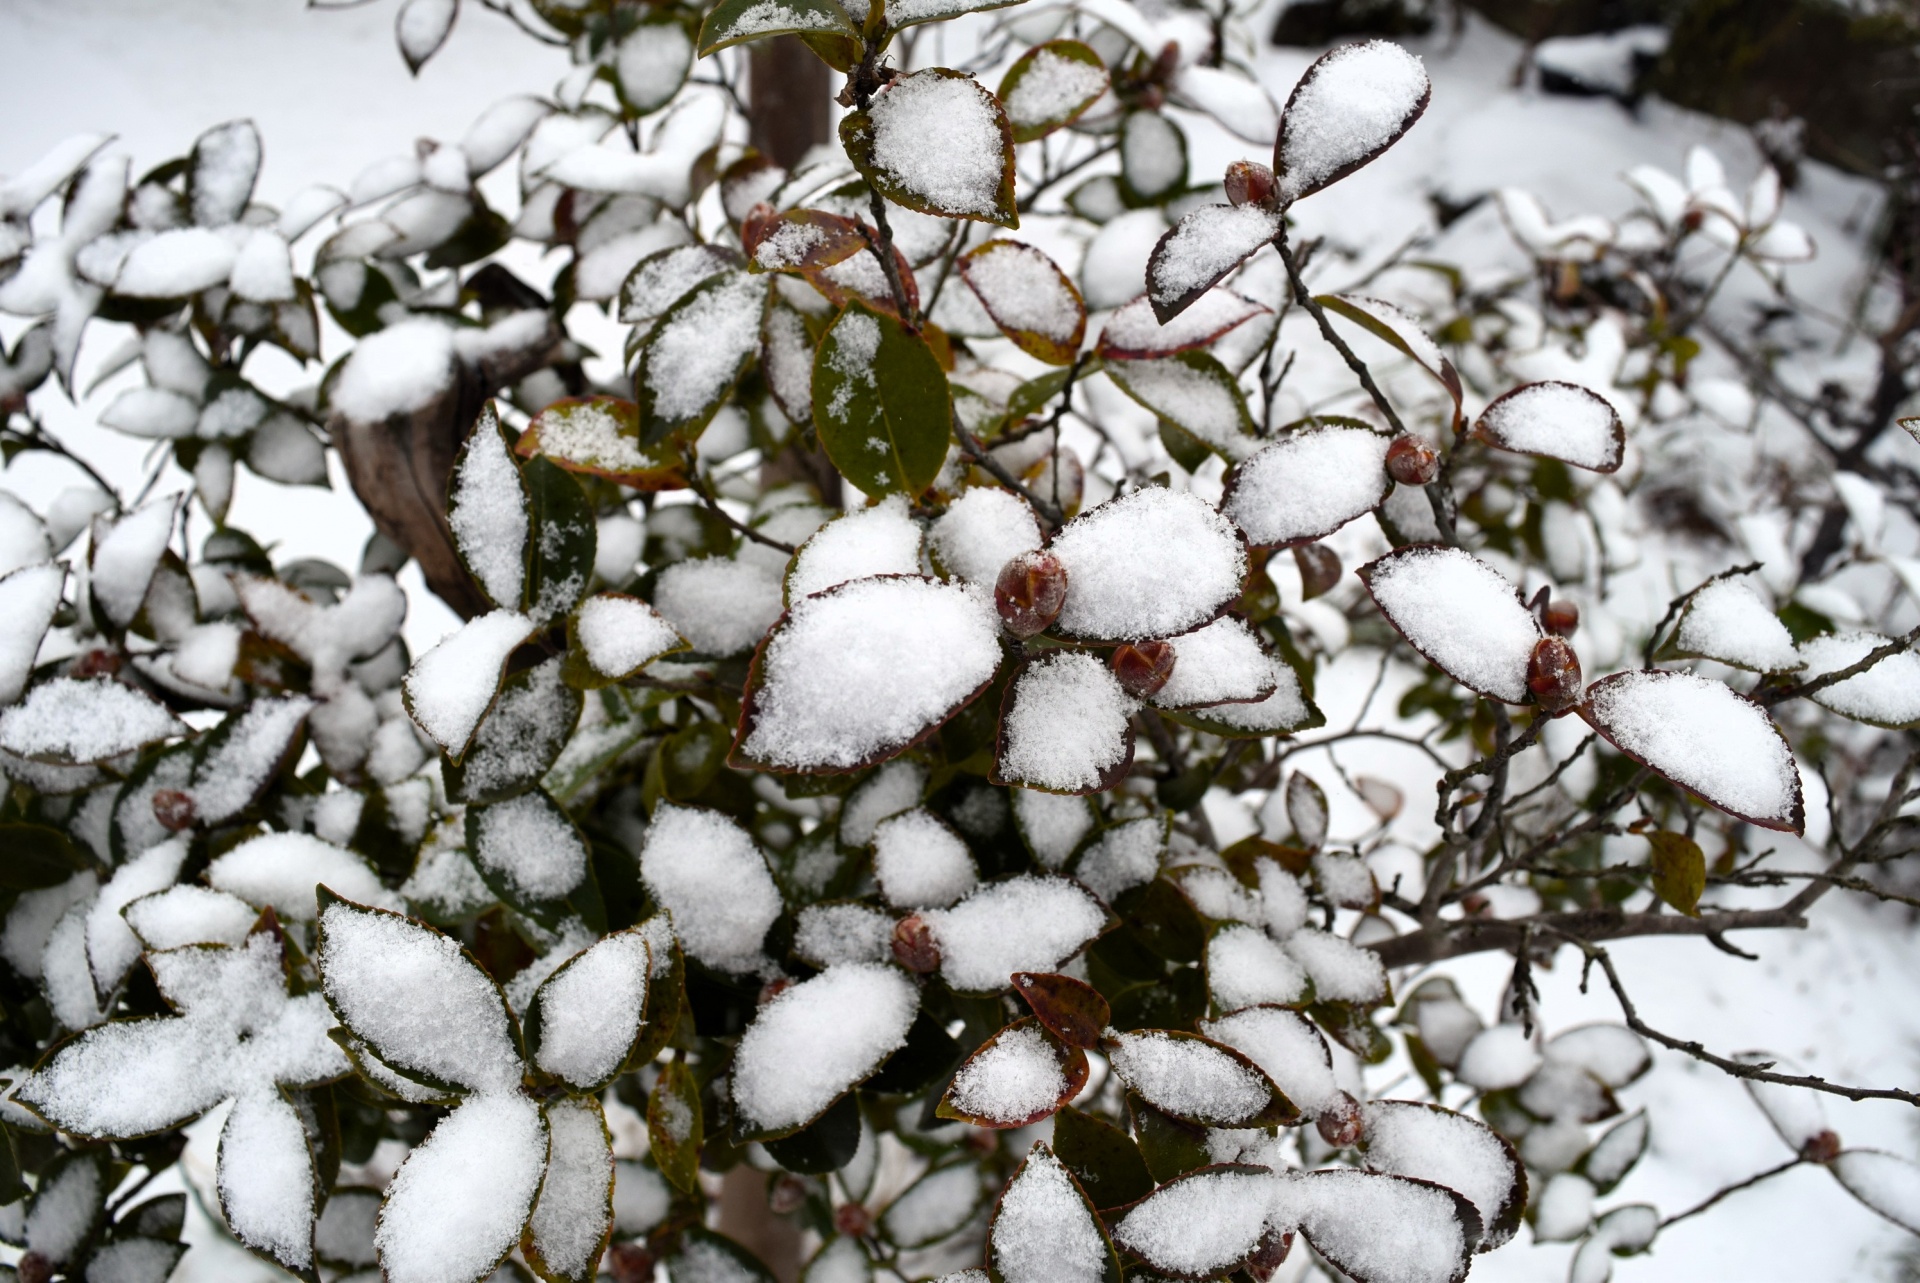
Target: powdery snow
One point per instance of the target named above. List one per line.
(395, 371)
(1558, 420)
(1199, 1225)
(1380, 1228)
(281, 871)
(721, 607)
(570, 1218)
(1044, 1232)
(529, 843)
(1022, 924)
(1888, 694)
(183, 915)
(881, 540)
(818, 1038)
(1288, 1048)
(694, 352)
(28, 599)
(1013, 1078)
(1126, 855)
(1150, 563)
(84, 720)
(1196, 394)
(1341, 971)
(1221, 662)
(1461, 614)
(706, 871)
(458, 1203)
(1406, 1138)
(1068, 728)
(1205, 245)
(938, 137)
(981, 531)
(619, 634)
(489, 513)
(450, 688)
(920, 863)
(1052, 89)
(1245, 966)
(1352, 104)
(1728, 620)
(828, 933)
(1052, 825)
(1189, 1078)
(1022, 289)
(893, 788)
(1307, 485)
(1133, 332)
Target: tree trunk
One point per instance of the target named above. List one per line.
(788, 93)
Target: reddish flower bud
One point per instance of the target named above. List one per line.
(914, 946)
(853, 1220)
(1319, 569)
(630, 1263)
(773, 989)
(34, 1268)
(1339, 1122)
(1823, 1148)
(1249, 183)
(1152, 98)
(1269, 1256)
(754, 226)
(173, 809)
(1562, 617)
(787, 1194)
(98, 662)
(1553, 675)
(1143, 667)
(1411, 461)
(1165, 63)
(1031, 589)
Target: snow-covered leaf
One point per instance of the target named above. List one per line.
(1195, 393)
(921, 863)
(1341, 971)
(980, 532)
(907, 13)
(1231, 97)
(1017, 1077)
(1728, 620)
(462, 1198)
(574, 1210)
(124, 557)
(786, 359)
(1381, 1229)
(1151, 563)
(1153, 156)
(1351, 105)
(1065, 726)
(1202, 1224)
(1394, 326)
(600, 436)
(266, 1178)
(706, 872)
(1246, 966)
(1023, 924)
(815, 1040)
(1029, 298)
(238, 758)
(1133, 333)
(282, 871)
(1615, 1153)
(1886, 1183)
(1044, 1229)
(521, 737)
(880, 403)
(129, 1078)
(489, 511)
(1613, 1054)
(1050, 86)
(664, 277)
(1887, 694)
(528, 851)
(862, 672)
(1624, 1231)
(882, 539)
(73, 720)
(1286, 1046)
(1051, 825)
(695, 352)
(800, 240)
(1706, 738)
(425, 1007)
(1407, 1138)
(734, 21)
(188, 914)
(421, 27)
(615, 636)
(29, 597)
(1460, 613)
(721, 606)
(1555, 420)
(221, 172)
(451, 687)
(651, 63)
(1307, 485)
(938, 142)
(1206, 244)
(1201, 1081)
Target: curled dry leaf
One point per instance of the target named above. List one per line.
(1072, 1010)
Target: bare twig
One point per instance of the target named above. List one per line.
(1815, 685)
(998, 471)
(1748, 1183)
(713, 505)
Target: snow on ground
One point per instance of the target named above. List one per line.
(331, 96)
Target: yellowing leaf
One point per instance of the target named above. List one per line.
(1679, 871)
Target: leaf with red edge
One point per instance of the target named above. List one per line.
(1554, 420)
(1044, 1219)
(1377, 1228)
(800, 240)
(600, 436)
(1065, 726)
(1072, 1009)
(1705, 737)
(1017, 1077)
(1351, 105)
(1428, 1142)
(1029, 298)
(1050, 86)
(936, 142)
(1133, 333)
(1464, 616)
(1202, 247)
(1198, 1080)
(861, 278)
(1394, 326)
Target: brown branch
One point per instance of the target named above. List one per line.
(1354, 363)
(998, 471)
(1748, 1183)
(1815, 685)
(1458, 937)
(705, 492)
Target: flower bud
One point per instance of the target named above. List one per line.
(1562, 617)
(914, 946)
(630, 1263)
(773, 989)
(1031, 589)
(98, 662)
(1269, 1256)
(853, 1220)
(1249, 183)
(1143, 667)
(1339, 1122)
(1411, 461)
(1823, 1148)
(1319, 569)
(1553, 674)
(787, 1194)
(173, 809)
(33, 1268)
(1165, 63)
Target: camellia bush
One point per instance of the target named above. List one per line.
(808, 857)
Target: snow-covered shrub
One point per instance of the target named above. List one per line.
(872, 751)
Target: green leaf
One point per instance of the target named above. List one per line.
(12, 1188)
(1170, 1147)
(824, 1145)
(600, 436)
(1050, 86)
(602, 740)
(800, 240)
(880, 403)
(1102, 1157)
(937, 142)
(37, 857)
(675, 1128)
(695, 353)
(520, 738)
(565, 536)
(666, 1003)
(1392, 325)
(733, 21)
(514, 843)
(913, 12)
(1196, 393)
(1679, 871)
(740, 1265)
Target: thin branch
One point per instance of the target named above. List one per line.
(1458, 937)
(1748, 1183)
(1677, 604)
(1814, 686)
(705, 492)
(1319, 314)
(998, 471)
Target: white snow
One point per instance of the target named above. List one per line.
(570, 1218)
(1308, 484)
(1051, 824)
(694, 352)
(1404, 1138)
(1288, 1049)
(1022, 924)
(1221, 662)
(828, 933)
(1730, 621)
(864, 670)
(706, 871)
(934, 1206)
(1558, 420)
(459, 1202)
(1205, 245)
(1043, 1231)
(1460, 613)
(28, 599)
(1377, 1227)
(450, 688)
(124, 560)
(1888, 694)
(1341, 971)
(1153, 154)
(488, 510)
(1125, 856)
(1050, 89)
(1349, 107)
(529, 843)
(1024, 290)
(187, 914)
(1133, 332)
(266, 1177)
(111, 945)
(1150, 563)
(1068, 728)
(1194, 392)
(620, 634)
(920, 863)
(1187, 1077)
(1198, 1225)
(233, 771)
(937, 137)
(1245, 966)
(981, 531)
(395, 371)
(1887, 1183)
(893, 788)
(590, 1010)
(1498, 1058)
(283, 870)
(722, 607)
(1703, 736)
(818, 1038)
(1011, 1079)
(881, 540)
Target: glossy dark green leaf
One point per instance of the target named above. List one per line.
(880, 403)
(1102, 1157)
(675, 1127)
(1169, 1146)
(733, 21)
(930, 1054)
(36, 857)
(824, 1145)
(565, 536)
(521, 737)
